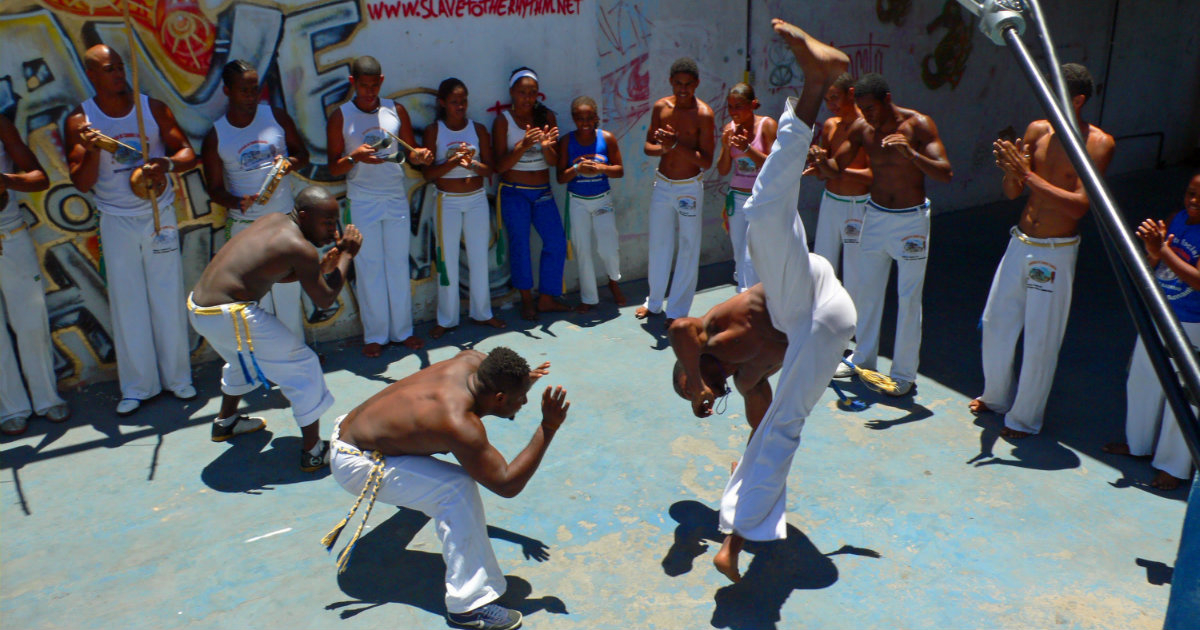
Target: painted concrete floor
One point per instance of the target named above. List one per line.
(910, 514)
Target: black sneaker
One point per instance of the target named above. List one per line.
(243, 424)
(313, 463)
(488, 617)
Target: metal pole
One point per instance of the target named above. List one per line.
(1142, 279)
(1064, 98)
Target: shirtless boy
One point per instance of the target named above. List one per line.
(1032, 285)
(681, 134)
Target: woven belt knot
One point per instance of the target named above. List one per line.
(371, 486)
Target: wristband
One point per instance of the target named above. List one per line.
(351, 158)
(1025, 179)
(170, 165)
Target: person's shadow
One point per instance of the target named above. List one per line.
(382, 571)
(778, 567)
(1038, 452)
(247, 465)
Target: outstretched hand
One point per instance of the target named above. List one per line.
(1012, 158)
(539, 372)
(554, 407)
(1154, 235)
(350, 241)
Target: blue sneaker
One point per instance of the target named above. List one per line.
(488, 617)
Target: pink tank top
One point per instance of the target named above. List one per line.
(744, 169)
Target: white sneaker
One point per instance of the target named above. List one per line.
(128, 406)
(58, 413)
(902, 388)
(187, 392)
(843, 371)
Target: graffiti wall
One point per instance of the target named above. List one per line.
(616, 51)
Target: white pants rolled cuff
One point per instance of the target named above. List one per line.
(284, 359)
(1030, 292)
(144, 275)
(676, 209)
(594, 217)
(900, 235)
(448, 495)
(465, 218)
(23, 307)
(383, 283)
(805, 301)
(1150, 424)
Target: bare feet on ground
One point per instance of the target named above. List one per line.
(726, 559)
(820, 62)
(413, 343)
(372, 350)
(528, 310)
(438, 331)
(977, 406)
(1166, 481)
(494, 322)
(551, 304)
(618, 297)
(642, 312)
(584, 308)
(1014, 434)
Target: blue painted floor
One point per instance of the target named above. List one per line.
(910, 514)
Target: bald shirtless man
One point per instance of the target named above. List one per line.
(391, 438)
(681, 134)
(143, 269)
(1032, 286)
(904, 149)
(803, 302)
(839, 219)
(256, 346)
(734, 338)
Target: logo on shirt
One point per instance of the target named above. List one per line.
(255, 155)
(459, 146)
(130, 156)
(1172, 286)
(744, 164)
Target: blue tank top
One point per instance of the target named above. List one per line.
(1183, 298)
(597, 151)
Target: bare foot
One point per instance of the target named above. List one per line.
(1117, 448)
(1166, 481)
(372, 350)
(551, 304)
(584, 308)
(820, 62)
(413, 343)
(528, 310)
(726, 559)
(1014, 434)
(977, 407)
(618, 297)
(642, 312)
(438, 331)
(494, 322)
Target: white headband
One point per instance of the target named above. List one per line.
(521, 75)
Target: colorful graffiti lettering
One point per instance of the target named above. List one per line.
(949, 58)
(430, 9)
(623, 50)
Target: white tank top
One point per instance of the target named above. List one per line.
(247, 153)
(111, 192)
(448, 143)
(373, 181)
(532, 159)
(10, 212)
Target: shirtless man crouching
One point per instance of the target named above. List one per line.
(256, 346)
(390, 439)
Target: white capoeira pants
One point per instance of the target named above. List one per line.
(144, 275)
(447, 494)
(383, 284)
(839, 227)
(674, 201)
(593, 216)
(735, 224)
(807, 303)
(23, 306)
(1032, 291)
(283, 300)
(258, 350)
(1147, 416)
(463, 217)
(903, 236)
